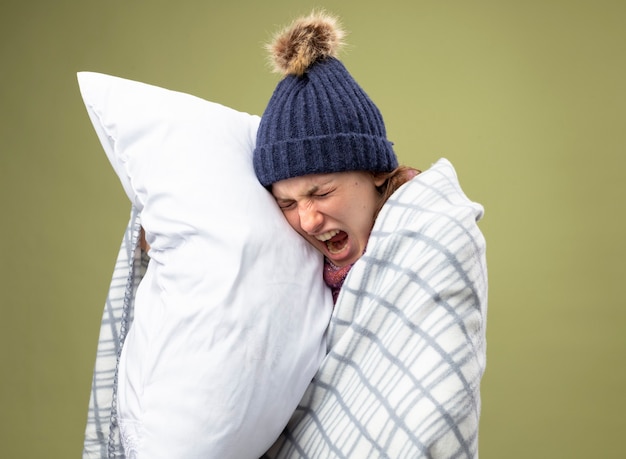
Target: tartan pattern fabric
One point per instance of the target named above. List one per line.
(406, 343)
(102, 438)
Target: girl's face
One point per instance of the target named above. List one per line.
(334, 212)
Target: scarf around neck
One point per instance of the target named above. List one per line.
(334, 276)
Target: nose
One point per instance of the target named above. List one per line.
(311, 219)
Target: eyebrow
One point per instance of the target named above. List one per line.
(314, 189)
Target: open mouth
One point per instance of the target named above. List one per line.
(336, 240)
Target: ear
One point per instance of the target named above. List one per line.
(379, 179)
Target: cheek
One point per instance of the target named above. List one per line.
(366, 217)
(293, 220)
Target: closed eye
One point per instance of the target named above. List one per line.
(323, 195)
(285, 204)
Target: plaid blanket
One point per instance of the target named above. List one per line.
(407, 337)
(406, 343)
(102, 436)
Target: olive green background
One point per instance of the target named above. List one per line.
(526, 98)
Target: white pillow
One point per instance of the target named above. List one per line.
(230, 317)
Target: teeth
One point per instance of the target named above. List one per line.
(327, 235)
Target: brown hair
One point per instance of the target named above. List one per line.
(393, 180)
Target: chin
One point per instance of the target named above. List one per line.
(344, 261)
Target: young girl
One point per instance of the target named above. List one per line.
(403, 257)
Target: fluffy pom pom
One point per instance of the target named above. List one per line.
(307, 40)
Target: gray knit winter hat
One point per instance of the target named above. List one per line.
(318, 120)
